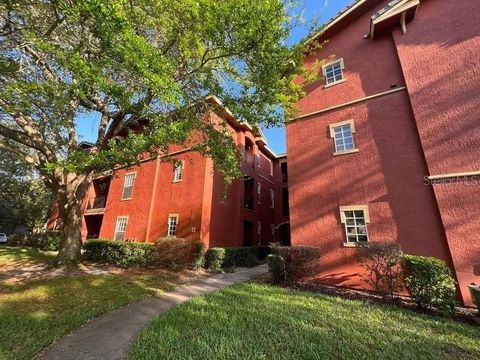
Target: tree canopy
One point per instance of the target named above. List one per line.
(124, 61)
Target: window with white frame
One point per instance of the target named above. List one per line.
(178, 171)
(342, 135)
(128, 186)
(333, 72)
(172, 225)
(355, 219)
(259, 231)
(271, 166)
(259, 193)
(272, 198)
(120, 228)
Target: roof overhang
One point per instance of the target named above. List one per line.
(396, 12)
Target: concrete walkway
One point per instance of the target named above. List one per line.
(109, 336)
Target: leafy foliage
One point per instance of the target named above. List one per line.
(23, 197)
(144, 69)
(119, 253)
(173, 252)
(300, 261)
(276, 266)
(246, 256)
(214, 258)
(198, 254)
(430, 282)
(383, 264)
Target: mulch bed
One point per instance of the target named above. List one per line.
(465, 314)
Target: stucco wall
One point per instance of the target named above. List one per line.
(440, 57)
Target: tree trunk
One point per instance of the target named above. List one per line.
(70, 199)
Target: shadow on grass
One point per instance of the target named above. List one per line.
(34, 314)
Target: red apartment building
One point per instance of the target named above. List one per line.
(386, 145)
(159, 199)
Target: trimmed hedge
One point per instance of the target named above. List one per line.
(173, 252)
(119, 253)
(300, 261)
(198, 254)
(276, 265)
(214, 258)
(247, 256)
(49, 240)
(430, 282)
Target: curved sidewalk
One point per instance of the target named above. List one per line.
(109, 336)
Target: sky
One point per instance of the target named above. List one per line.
(320, 10)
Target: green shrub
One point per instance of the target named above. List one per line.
(119, 253)
(51, 241)
(32, 240)
(300, 261)
(247, 256)
(276, 266)
(173, 252)
(430, 282)
(383, 264)
(198, 254)
(214, 258)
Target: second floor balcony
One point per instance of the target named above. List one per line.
(96, 205)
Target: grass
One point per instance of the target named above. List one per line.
(25, 255)
(36, 313)
(255, 321)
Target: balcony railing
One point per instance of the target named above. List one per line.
(248, 202)
(96, 203)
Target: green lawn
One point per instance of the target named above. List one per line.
(34, 314)
(254, 321)
(25, 255)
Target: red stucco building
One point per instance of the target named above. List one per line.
(184, 199)
(386, 144)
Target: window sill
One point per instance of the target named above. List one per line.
(126, 199)
(176, 181)
(352, 151)
(334, 83)
(351, 244)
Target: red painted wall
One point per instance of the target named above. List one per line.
(401, 137)
(440, 57)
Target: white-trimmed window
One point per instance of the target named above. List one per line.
(128, 186)
(333, 72)
(271, 166)
(259, 193)
(172, 224)
(342, 135)
(272, 198)
(355, 219)
(178, 171)
(120, 228)
(259, 231)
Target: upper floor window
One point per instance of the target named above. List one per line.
(259, 193)
(128, 186)
(333, 72)
(271, 166)
(120, 228)
(342, 135)
(355, 219)
(178, 171)
(172, 224)
(272, 198)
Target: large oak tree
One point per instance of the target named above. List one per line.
(64, 61)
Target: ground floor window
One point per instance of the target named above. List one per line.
(120, 228)
(172, 225)
(355, 219)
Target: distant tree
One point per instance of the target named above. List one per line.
(128, 60)
(24, 199)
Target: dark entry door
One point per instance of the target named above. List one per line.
(247, 233)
